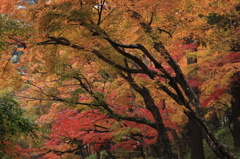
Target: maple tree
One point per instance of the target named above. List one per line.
(117, 64)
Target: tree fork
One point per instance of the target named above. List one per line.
(163, 139)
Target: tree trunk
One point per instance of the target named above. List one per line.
(197, 114)
(185, 137)
(144, 148)
(178, 143)
(196, 141)
(163, 143)
(163, 140)
(235, 90)
(98, 155)
(195, 131)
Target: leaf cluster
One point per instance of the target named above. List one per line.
(57, 16)
(12, 121)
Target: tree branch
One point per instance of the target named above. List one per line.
(146, 52)
(132, 57)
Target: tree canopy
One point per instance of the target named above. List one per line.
(107, 75)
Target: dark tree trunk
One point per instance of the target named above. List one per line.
(235, 90)
(144, 148)
(196, 141)
(178, 143)
(110, 154)
(185, 137)
(98, 155)
(163, 143)
(195, 131)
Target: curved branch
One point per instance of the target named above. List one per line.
(120, 67)
(65, 42)
(132, 57)
(145, 52)
(60, 41)
(170, 93)
(162, 30)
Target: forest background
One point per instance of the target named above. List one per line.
(120, 79)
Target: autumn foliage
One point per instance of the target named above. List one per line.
(108, 75)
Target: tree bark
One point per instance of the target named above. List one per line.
(196, 141)
(144, 149)
(178, 143)
(163, 142)
(98, 155)
(195, 132)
